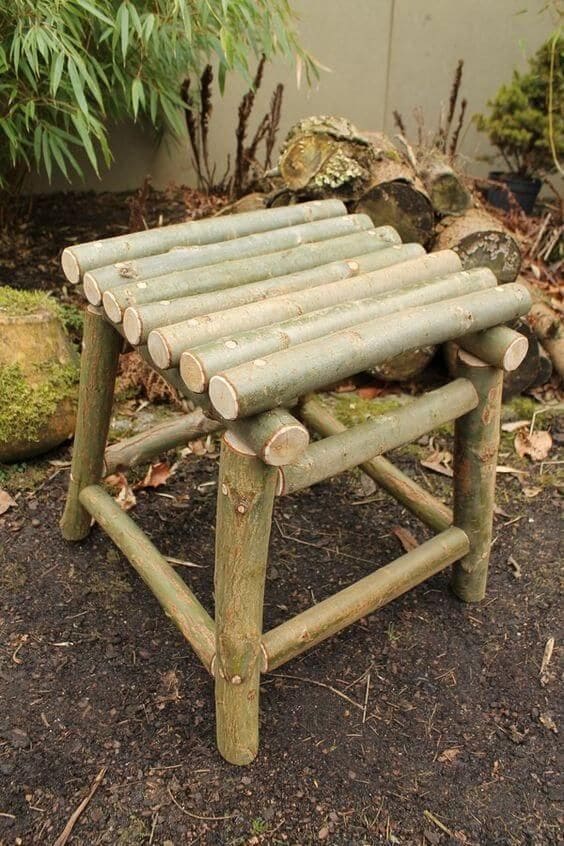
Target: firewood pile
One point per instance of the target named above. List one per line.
(427, 200)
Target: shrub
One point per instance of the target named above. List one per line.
(68, 67)
(526, 119)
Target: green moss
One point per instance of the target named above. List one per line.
(16, 478)
(24, 409)
(16, 303)
(351, 409)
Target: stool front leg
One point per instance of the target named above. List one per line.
(100, 356)
(476, 442)
(245, 500)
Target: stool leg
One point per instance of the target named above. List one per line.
(100, 355)
(476, 442)
(245, 499)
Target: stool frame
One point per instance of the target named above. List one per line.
(234, 648)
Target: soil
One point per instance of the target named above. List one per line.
(428, 722)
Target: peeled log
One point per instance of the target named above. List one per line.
(481, 241)
(447, 192)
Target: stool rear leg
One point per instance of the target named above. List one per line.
(245, 500)
(476, 442)
(100, 356)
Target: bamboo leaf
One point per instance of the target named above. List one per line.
(77, 86)
(94, 10)
(137, 96)
(123, 23)
(82, 130)
(56, 73)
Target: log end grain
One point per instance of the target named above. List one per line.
(70, 265)
(91, 290)
(193, 373)
(402, 206)
(159, 350)
(132, 326)
(112, 307)
(223, 397)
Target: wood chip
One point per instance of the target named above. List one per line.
(6, 501)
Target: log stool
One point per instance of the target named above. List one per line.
(244, 315)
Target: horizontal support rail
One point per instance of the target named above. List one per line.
(337, 453)
(351, 604)
(170, 435)
(416, 499)
(176, 599)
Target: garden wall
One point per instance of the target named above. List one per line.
(382, 55)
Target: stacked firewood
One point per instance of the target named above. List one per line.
(420, 194)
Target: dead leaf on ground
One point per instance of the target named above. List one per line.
(515, 425)
(545, 676)
(515, 566)
(548, 722)
(407, 540)
(125, 498)
(170, 687)
(534, 444)
(504, 468)
(6, 501)
(449, 755)
(158, 474)
(437, 467)
(531, 492)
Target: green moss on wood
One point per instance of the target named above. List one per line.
(14, 303)
(24, 409)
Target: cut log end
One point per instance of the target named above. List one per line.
(403, 206)
(223, 397)
(70, 265)
(193, 373)
(112, 307)
(448, 195)
(91, 290)
(515, 354)
(288, 442)
(132, 326)
(159, 350)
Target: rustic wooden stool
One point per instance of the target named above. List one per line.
(244, 314)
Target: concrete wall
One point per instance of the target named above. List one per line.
(382, 55)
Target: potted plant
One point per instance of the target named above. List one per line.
(526, 124)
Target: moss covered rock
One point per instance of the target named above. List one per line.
(38, 376)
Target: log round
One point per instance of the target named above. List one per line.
(481, 241)
(446, 190)
(403, 206)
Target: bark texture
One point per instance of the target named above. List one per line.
(100, 356)
(476, 442)
(244, 513)
(481, 241)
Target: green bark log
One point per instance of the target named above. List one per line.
(335, 454)
(362, 598)
(198, 365)
(276, 437)
(100, 355)
(476, 442)
(76, 261)
(170, 435)
(177, 600)
(187, 283)
(244, 513)
(500, 347)
(272, 381)
(416, 499)
(96, 282)
(167, 344)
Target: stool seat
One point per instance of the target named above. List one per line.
(248, 316)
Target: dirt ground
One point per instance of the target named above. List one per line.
(429, 722)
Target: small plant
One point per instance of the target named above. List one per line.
(258, 825)
(198, 112)
(526, 118)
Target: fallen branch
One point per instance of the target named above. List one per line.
(67, 831)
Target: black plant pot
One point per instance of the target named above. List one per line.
(524, 189)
